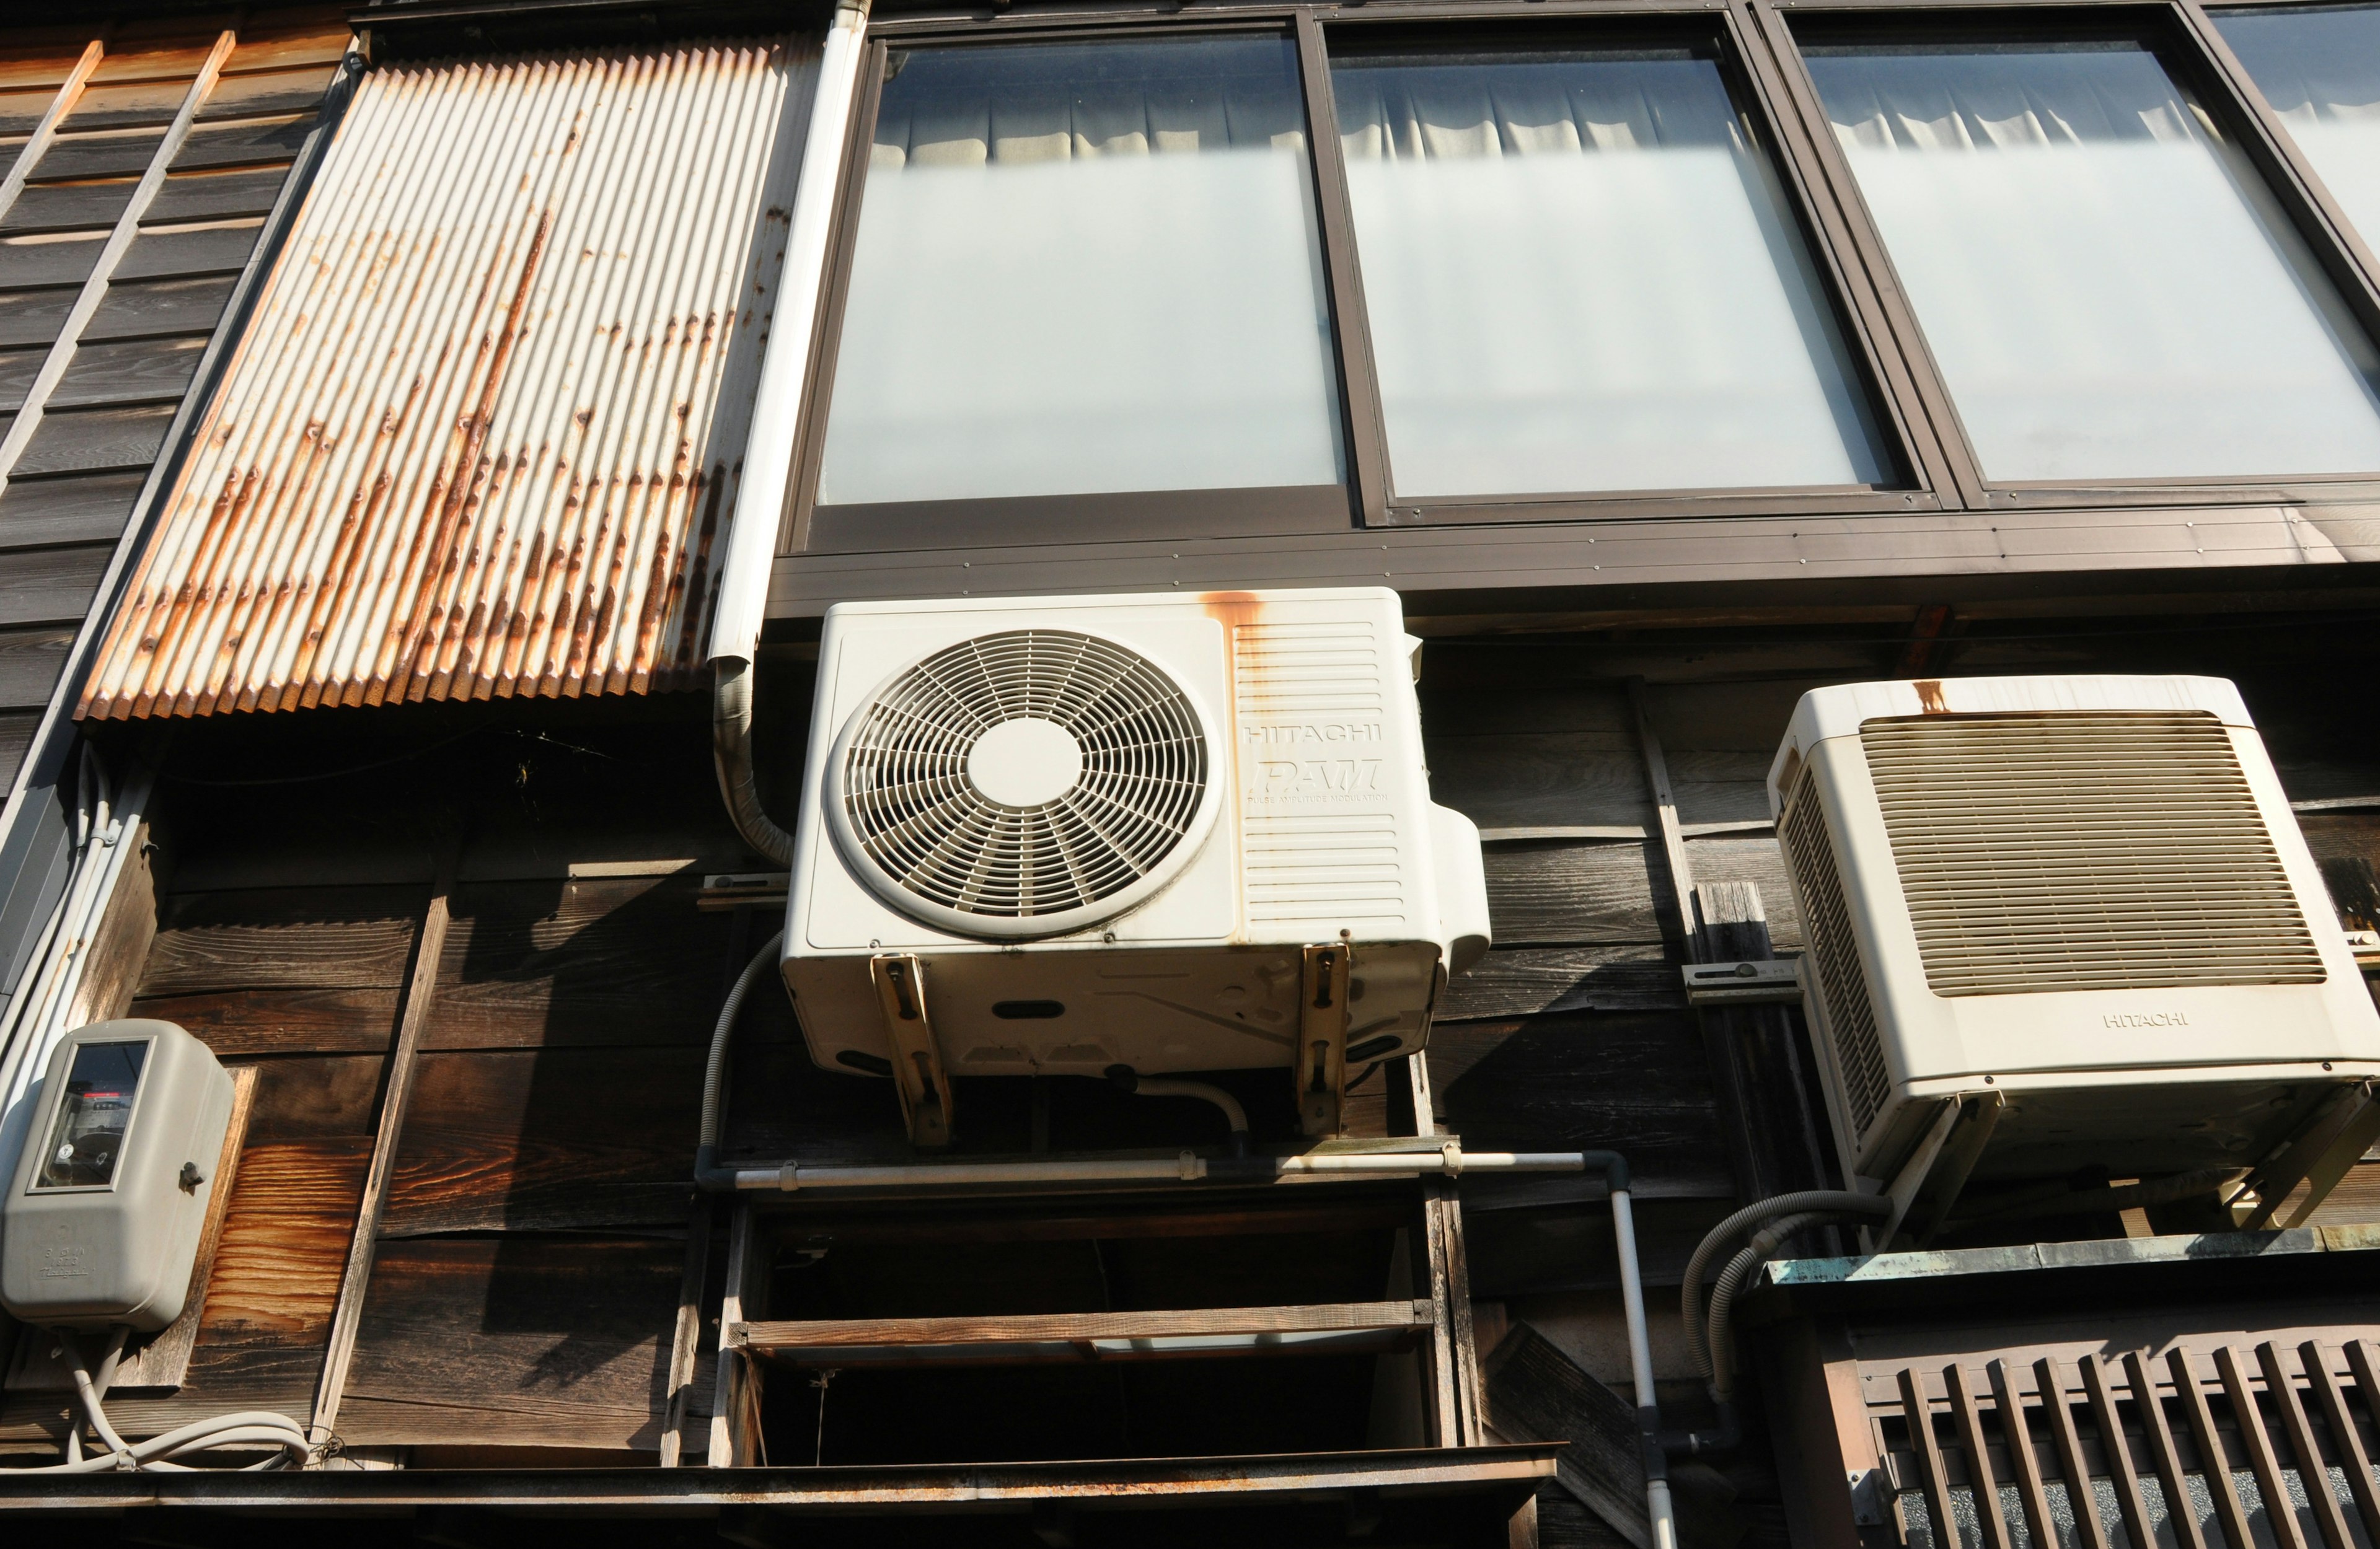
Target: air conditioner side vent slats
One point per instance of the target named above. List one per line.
(1834, 952)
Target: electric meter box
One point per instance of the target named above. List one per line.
(102, 1218)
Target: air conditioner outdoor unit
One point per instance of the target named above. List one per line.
(1056, 836)
(2082, 902)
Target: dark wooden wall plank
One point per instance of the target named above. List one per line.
(1563, 893)
(82, 440)
(345, 1019)
(199, 196)
(520, 1341)
(1636, 1084)
(29, 661)
(86, 509)
(101, 153)
(17, 369)
(133, 312)
(584, 961)
(1527, 780)
(246, 142)
(212, 248)
(16, 728)
(49, 585)
(1530, 980)
(266, 92)
(26, 261)
(135, 372)
(129, 104)
(32, 318)
(297, 938)
(66, 206)
(534, 1140)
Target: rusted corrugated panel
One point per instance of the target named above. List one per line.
(482, 435)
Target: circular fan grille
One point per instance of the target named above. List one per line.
(913, 802)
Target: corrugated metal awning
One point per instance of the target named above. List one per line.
(484, 430)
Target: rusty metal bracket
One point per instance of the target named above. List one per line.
(1928, 1184)
(1320, 1070)
(923, 1085)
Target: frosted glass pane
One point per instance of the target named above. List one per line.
(1580, 277)
(2321, 71)
(2108, 289)
(1085, 268)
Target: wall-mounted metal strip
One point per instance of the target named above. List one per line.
(119, 240)
(30, 153)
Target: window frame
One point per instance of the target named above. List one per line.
(1760, 56)
(1040, 519)
(2166, 32)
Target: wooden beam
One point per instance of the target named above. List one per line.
(1680, 896)
(926, 1333)
(735, 1396)
(685, 1338)
(420, 986)
(1450, 1279)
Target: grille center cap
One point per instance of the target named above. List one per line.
(1026, 762)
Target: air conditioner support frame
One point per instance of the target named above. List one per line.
(918, 1078)
(1928, 1183)
(2318, 1158)
(1319, 1072)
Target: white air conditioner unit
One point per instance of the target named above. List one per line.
(1053, 836)
(2082, 901)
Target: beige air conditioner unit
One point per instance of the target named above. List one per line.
(1057, 836)
(2083, 903)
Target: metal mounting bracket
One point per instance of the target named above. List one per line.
(1927, 1184)
(1320, 1069)
(1774, 981)
(917, 1075)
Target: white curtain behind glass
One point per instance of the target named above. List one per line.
(2107, 290)
(1579, 278)
(1085, 268)
(2321, 72)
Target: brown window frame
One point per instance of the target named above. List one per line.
(2169, 33)
(1759, 57)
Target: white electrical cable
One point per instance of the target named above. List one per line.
(245, 1429)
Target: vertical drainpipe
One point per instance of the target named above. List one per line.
(776, 417)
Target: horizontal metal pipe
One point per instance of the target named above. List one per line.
(1188, 1167)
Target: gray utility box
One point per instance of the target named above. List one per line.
(101, 1222)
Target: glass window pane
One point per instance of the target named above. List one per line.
(2106, 286)
(2321, 71)
(1082, 269)
(1581, 276)
(92, 1112)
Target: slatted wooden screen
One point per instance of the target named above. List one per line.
(2094, 1453)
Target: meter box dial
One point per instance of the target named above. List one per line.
(102, 1218)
